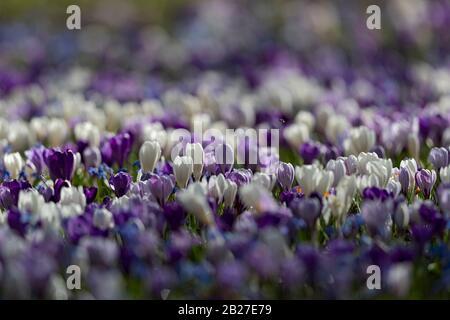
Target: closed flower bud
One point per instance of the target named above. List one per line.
(13, 163)
(193, 200)
(285, 175)
(195, 151)
(425, 180)
(444, 173)
(149, 154)
(182, 169)
(438, 157)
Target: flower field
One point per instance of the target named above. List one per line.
(225, 150)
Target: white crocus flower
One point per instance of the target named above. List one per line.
(311, 178)
(50, 215)
(57, 132)
(336, 127)
(338, 168)
(30, 201)
(195, 151)
(264, 179)
(444, 173)
(103, 219)
(367, 181)
(87, 132)
(149, 154)
(20, 136)
(339, 203)
(13, 163)
(229, 193)
(306, 118)
(256, 197)
(154, 132)
(394, 186)
(360, 139)
(193, 200)
(410, 165)
(182, 169)
(296, 134)
(73, 195)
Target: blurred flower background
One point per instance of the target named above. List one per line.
(87, 177)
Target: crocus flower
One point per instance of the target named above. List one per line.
(161, 186)
(120, 183)
(425, 180)
(285, 175)
(195, 151)
(309, 152)
(149, 154)
(117, 149)
(438, 157)
(182, 169)
(13, 163)
(61, 164)
(193, 200)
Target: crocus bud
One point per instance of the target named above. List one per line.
(285, 175)
(193, 200)
(351, 164)
(195, 151)
(13, 163)
(438, 157)
(311, 178)
(257, 197)
(229, 194)
(182, 169)
(61, 164)
(425, 180)
(92, 157)
(161, 187)
(120, 183)
(404, 178)
(401, 215)
(267, 181)
(444, 173)
(338, 169)
(149, 155)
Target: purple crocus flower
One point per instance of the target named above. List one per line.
(306, 208)
(309, 152)
(404, 179)
(90, 193)
(285, 175)
(120, 183)
(61, 164)
(161, 186)
(425, 180)
(36, 158)
(9, 192)
(438, 157)
(377, 216)
(374, 193)
(117, 149)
